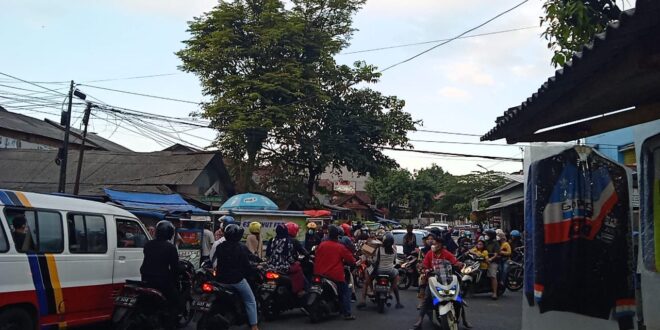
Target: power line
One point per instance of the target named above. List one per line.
(465, 143)
(454, 38)
(445, 132)
(135, 77)
(141, 94)
(438, 40)
(454, 154)
(32, 83)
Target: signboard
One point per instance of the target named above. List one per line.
(190, 248)
(344, 187)
(211, 199)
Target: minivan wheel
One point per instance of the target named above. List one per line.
(16, 319)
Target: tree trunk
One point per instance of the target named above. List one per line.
(311, 182)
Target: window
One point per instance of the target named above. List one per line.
(36, 230)
(4, 244)
(87, 233)
(650, 203)
(130, 234)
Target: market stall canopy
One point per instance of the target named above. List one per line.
(612, 83)
(155, 205)
(317, 213)
(249, 202)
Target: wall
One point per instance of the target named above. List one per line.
(608, 143)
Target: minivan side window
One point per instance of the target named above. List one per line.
(130, 234)
(87, 233)
(4, 244)
(36, 230)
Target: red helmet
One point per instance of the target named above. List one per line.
(347, 229)
(292, 228)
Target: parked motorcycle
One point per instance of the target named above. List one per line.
(381, 294)
(141, 306)
(446, 293)
(408, 274)
(515, 276)
(474, 280)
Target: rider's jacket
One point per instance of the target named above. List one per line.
(578, 236)
(160, 263)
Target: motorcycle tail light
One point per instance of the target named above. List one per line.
(383, 281)
(207, 287)
(317, 279)
(272, 276)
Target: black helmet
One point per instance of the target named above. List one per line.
(334, 232)
(491, 234)
(233, 233)
(436, 232)
(164, 230)
(388, 240)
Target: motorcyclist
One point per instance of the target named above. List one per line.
(254, 242)
(280, 251)
(438, 252)
(225, 221)
(493, 248)
(234, 267)
(383, 262)
(311, 236)
(160, 265)
(479, 250)
(331, 256)
(409, 241)
(505, 255)
(516, 240)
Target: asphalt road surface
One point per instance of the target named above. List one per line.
(483, 313)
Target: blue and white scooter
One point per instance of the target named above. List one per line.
(446, 293)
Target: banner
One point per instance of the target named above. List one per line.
(190, 248)
(269, 224)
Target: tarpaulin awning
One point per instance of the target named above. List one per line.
(148, 204)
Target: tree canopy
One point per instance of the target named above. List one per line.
(279, 100)
(570, 24)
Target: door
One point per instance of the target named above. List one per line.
(130, 238)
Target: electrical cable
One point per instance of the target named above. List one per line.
(31, 83)
(439, 40)
(455, 154)
(141, 94)
(445, 132)
(465, 143)
(454, 38)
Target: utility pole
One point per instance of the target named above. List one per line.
(64, 152)
(88, 111)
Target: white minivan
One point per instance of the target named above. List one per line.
(62, 260)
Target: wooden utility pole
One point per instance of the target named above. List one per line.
(88, 111)
(64, 152)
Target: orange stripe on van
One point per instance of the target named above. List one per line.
(23, 199)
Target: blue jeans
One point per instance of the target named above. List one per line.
(246, 294)
(344, 298)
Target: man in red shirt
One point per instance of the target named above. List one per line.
(329, 262)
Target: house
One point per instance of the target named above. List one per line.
(359, 203)
(504, 205)
(18, 131)
(192, 175)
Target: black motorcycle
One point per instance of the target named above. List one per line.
(515, 276)
(141, 306)
(381, 295)
(408, 274)
(322, 299)
(475, 280)
(276, 293)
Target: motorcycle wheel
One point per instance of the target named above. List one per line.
(207, 323)
(444, 322)
(514, 279)
(130, 321)
(381, 306)
(404, 281)
(269, 310)
(315, 309)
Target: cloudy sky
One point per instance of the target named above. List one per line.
(460, 87)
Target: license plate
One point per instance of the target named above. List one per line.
(381, 288)
(269, 286)
(316, 289)
(126, 301)
(201, 305)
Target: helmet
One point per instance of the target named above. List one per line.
(254, 227)
(233, 233)
(491, 234)
(388, 240)
(334, 231)
(311, 225)
(292, 229)
(515, 233)
(164, 230)
(347, 229)
(226, 220)
(437, 232)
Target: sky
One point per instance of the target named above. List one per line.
(459, 87)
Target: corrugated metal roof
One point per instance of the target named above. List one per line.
(617, 38)
(51, 130)
(35, 170)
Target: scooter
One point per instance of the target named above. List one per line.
(448, 305)
(277, 294)
(514, 278)
(381, 295)
(408, 274)
(474, 280)
(140, 306)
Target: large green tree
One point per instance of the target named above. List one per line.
(278, 97)
(570, 24)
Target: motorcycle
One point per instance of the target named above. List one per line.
(204, 274)
(514, 278)
(474, 280)
(140, 306)
(381, 294)
(277, 294)
(448, 305)
(408, 274)
(322, 299)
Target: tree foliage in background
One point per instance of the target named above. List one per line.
(570, 24)
(278, 98)
(430, 189)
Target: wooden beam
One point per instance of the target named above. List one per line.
(639, 115)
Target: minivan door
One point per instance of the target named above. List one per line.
(130, 240)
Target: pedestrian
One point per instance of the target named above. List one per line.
(409, 241)
(505, 255)
(253, 241)
(493, 248)
(207, 242)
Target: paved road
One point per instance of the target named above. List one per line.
(483, 313)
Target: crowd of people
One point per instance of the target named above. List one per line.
(333, 247)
